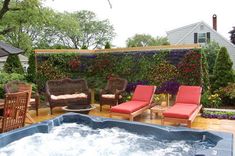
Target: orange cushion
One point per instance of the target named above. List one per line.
(143, 93)
(179, 110)
(189, 95)
(129, 107)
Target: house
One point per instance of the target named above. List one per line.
(23, 60)
(201, 33)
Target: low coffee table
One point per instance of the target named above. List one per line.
(157, 109)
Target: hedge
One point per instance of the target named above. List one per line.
(167, 69)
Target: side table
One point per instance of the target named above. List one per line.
(157, 109)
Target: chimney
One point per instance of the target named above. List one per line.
(214, 19)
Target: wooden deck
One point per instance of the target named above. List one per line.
(199, 123)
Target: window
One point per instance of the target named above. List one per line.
(202, 38)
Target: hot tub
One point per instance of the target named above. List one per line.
(112, 137)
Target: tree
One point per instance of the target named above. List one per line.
(92, 33)
(12, 6)
(204, 72)
(232, 36)
(26, 24)
(143, 40)
(211, 50)
(223, 72)
(107, 45)
(13, 65)
(31, 72)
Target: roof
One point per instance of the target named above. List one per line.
(6, 49)
(194, 26)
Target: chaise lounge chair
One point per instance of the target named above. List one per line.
(186, 107)
(141, 100)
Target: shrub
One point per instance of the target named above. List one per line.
(107, 45)
(13, 65)
(228, 93)
(6, 77)
(31, 72)
(211, 100)
(223, 72)
(205, 73)
(211, 50)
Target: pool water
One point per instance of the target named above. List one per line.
(76, 139)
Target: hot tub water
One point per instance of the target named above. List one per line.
(80, 140)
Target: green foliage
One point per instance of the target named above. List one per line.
(147, 67)
(143, 40)
(228, 91)
(228, 94)
(6, 77)
(31, 72)
(205, 74)
(211, 50)
(107, 45)
(13, 65)
(33, 25)
(211, 100)
(163, 72)
(84, 47)
(93, 33)
(223, 72)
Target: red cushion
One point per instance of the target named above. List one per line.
(179, 110)
(189, 94)
(143, 93)
(129, 107)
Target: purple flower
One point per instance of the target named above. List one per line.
(170, 87)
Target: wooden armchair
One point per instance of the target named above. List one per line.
(111, 95)
(19, 86)
(14, 113)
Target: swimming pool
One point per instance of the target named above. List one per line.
(106, 136)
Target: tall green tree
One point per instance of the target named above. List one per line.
(143, 40)
(223, 72)
(211, 50)
(13, 65)
(94, 33)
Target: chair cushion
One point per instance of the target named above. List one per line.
(129, 107)
(180, 110)
(32, 100)
(68, 96)
(189, 95)
(143, 93)
(110, 96)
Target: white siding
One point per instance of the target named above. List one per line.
(214, 36)
(175, 35)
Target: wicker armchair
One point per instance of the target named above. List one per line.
(14, 113)
(19, 86)
(111, 95)
(67, 91)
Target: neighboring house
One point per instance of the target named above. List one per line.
(201, 33)
(23, 60)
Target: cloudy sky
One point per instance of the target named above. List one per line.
(153, 17)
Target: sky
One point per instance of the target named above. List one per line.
(154, 17)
